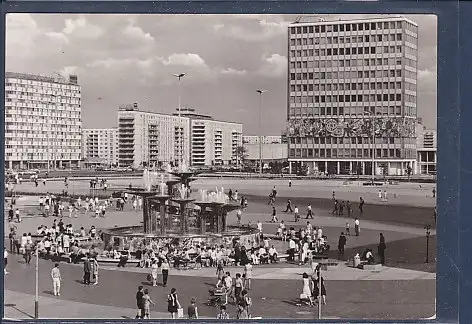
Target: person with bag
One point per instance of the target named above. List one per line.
(173, 304)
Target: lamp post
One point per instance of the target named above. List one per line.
(373, 145)
(260, 92)
(36, 293)
(428, 233)
(181, 149)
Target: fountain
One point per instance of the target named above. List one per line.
(172, 194)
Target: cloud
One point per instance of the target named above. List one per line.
(190, 60)
(67, 70)
(137, 33)
(256, 29)
(58, 36)
(274, 65)
(21, 30)
(231, 71)
(81, 28)
(217, 27)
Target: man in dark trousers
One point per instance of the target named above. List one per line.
(341, 208)
(381, 249)
(361, 205)
(87, 269)
(140, 303)
(289, 207)
(348, 208)
(341, 243)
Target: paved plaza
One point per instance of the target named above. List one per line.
(403, 289)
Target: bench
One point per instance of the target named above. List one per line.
(116, 261)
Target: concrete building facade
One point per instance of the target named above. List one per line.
(100, 146)
(212, 142)
(426, 150)
(347, 80)
(43, 121)
(151, 139)
(266, 139)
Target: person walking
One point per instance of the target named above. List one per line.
(247, 276)
(290, 183)
(348, 228)
(154, 270)
(147, 301)
(173, 304)
(165, 271)
(28, 251)
(348, 208)
(192, 310)
(56, 280)
(5, 260)
(238, 287)
(380, 195)
(342, 243)
(297, 214)
(87, 269)
(289, 206)
(318, 289)
(361, 205)
(385, 197)
(306, 291)
(381, 249)
(309, 213)
(239, 214)
(336, 208)
(356, 226)
(246, 301)
(140, 303)
(94, 269)
(274, 215)
(434, 192)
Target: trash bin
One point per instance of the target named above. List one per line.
(357, 261)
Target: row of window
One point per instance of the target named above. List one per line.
(352, 98)
(353, 111)
(353, 86)
(352, 75)
(345, 40)
(351, 153)
(309, 64)
(39, 156)
(352, 51)
(347, 27)
(35, 84)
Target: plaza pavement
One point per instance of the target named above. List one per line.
(385, 295)
(408, 194)
(392, 293)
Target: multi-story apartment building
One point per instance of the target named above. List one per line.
(43, 122)
(426, 149)
(100, 146)
(212, 142)
(266, 139)
(348, 79)
(151, 139)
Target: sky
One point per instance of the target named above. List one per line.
(121, 59)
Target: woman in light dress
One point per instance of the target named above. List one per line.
(306, 291)
(154, 271)
(247, 276)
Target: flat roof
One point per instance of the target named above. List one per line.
(42, 78)
(322, 21)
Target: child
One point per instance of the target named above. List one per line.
(347, 229)
(147, 304)
(192, 310)
(284, 235)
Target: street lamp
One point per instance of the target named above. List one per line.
(373, 145)
(181, 153)
(36, 294)
(260, 92)
(428, 234)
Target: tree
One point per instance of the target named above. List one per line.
(241, 154)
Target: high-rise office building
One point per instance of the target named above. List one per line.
(151, 139)
(212, 142)
(348, 79)
(100, 146)
(42, 121)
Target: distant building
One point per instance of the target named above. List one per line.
(271, 152)
(426, 150)
(212, 142)
(43, 121)
(151, 139)
(100, 147)
(266, 139)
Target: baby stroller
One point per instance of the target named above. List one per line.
(217, 297)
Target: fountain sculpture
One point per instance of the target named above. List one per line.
(174, 216)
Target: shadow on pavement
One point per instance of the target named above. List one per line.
(18, 310)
